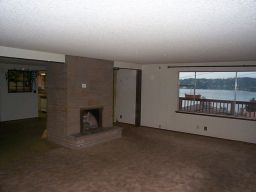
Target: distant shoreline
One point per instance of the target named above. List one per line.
(244, 84)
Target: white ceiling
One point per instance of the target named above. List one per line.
(140, 31)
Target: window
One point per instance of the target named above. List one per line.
(228, 94)
(19, 81)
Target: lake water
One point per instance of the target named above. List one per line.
(220, 94)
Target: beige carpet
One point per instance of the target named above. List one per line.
(143, 160)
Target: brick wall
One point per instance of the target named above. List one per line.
(66, 96)
(98, 76)
(56, 100)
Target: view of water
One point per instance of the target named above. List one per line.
(220, 94)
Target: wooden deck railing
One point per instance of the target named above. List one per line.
(240, 109)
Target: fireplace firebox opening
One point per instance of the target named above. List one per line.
(90, 120)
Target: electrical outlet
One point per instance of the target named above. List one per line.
(205, 128)
(120, 116)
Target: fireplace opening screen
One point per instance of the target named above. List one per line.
(90, 120)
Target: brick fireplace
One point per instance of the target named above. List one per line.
(67, 97)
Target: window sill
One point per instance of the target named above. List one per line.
(217, 115)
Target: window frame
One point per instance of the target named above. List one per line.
(233, 116)
(21, 80)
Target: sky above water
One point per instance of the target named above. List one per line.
(216, 75)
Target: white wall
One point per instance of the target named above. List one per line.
(16, 105)
(31, 54)
(125, 96)
(160, 101)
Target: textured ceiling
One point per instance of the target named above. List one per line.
(140, 31)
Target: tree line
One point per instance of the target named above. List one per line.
(243, 83)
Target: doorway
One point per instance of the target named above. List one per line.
(127, 96)
(42, 92)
